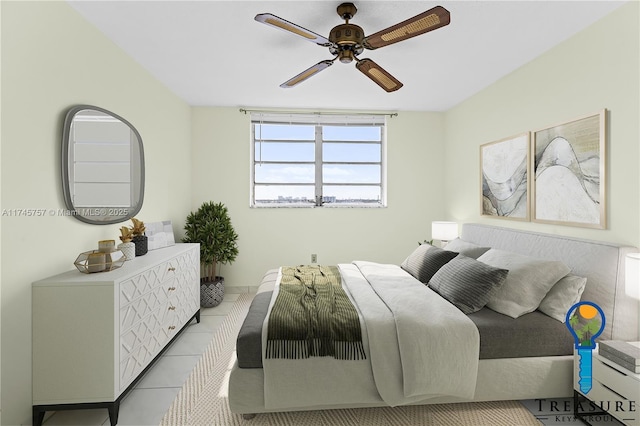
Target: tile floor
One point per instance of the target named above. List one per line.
(154, 393)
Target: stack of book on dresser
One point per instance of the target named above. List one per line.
(625, 354)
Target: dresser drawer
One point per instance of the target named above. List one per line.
(135, 312)
(132, 365)
(143, 342)
(615, 405)
(146, 329)
(144, 292)
(186, 300)
(145, 282)
(612, 378)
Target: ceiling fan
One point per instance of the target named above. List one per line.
(347, 41)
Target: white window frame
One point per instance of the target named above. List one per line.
(318, 120)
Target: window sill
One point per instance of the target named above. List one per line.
(326, 206)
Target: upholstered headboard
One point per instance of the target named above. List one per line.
(601, 262)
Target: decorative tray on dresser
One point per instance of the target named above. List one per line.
(95, 335)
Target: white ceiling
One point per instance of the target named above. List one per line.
(213, 53)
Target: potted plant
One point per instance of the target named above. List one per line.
(127, 246)
(211, 227)
(139, 239)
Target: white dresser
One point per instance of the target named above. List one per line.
(94, 334)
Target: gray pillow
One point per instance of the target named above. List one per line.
(562, 296)
(467, 283)
(471, 250)
(425, 261)
(529, 280)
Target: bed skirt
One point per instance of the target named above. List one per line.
(498, 380)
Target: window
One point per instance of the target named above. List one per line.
(317, 160)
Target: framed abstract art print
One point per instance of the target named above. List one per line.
(504, 166)
(569, 173)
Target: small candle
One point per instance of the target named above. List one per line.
(96, 262)
(106, 246)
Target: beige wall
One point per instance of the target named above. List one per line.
(270, 237)
(598, 68)
(52, 59)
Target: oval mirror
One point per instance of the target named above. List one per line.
(102, 166)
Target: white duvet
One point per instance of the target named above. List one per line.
(418, 346)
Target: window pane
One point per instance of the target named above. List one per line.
(285, 165)
(351, 133)
(351, 194)
(285, 151)
(284, 173)
(350, 173)
(351, 152)
(284, 132)
(280, 194)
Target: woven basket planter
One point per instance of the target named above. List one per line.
(211, 292)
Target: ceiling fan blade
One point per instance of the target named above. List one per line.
(376, 73)
(427, 21)
(274, 21)
(307, 73)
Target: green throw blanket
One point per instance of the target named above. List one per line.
(313, 316)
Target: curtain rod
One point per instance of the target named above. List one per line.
(246, 110)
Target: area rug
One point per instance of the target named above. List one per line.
(203, 398)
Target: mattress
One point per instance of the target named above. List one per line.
(531, 335)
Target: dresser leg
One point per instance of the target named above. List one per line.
(114, 410)
(198, 316)
(37, 416)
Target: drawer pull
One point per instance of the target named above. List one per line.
(172, 308)
(171, 288)
(172, 327)
(171, 269)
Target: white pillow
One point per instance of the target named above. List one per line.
(528, 281)
(562, 296)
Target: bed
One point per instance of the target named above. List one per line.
(494, 354)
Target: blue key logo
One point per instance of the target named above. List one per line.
(585, 321)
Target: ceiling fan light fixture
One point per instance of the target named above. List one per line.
(345, 56)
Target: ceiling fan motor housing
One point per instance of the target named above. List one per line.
(348, 38)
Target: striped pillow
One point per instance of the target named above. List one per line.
(425, 261)
(467, 283)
